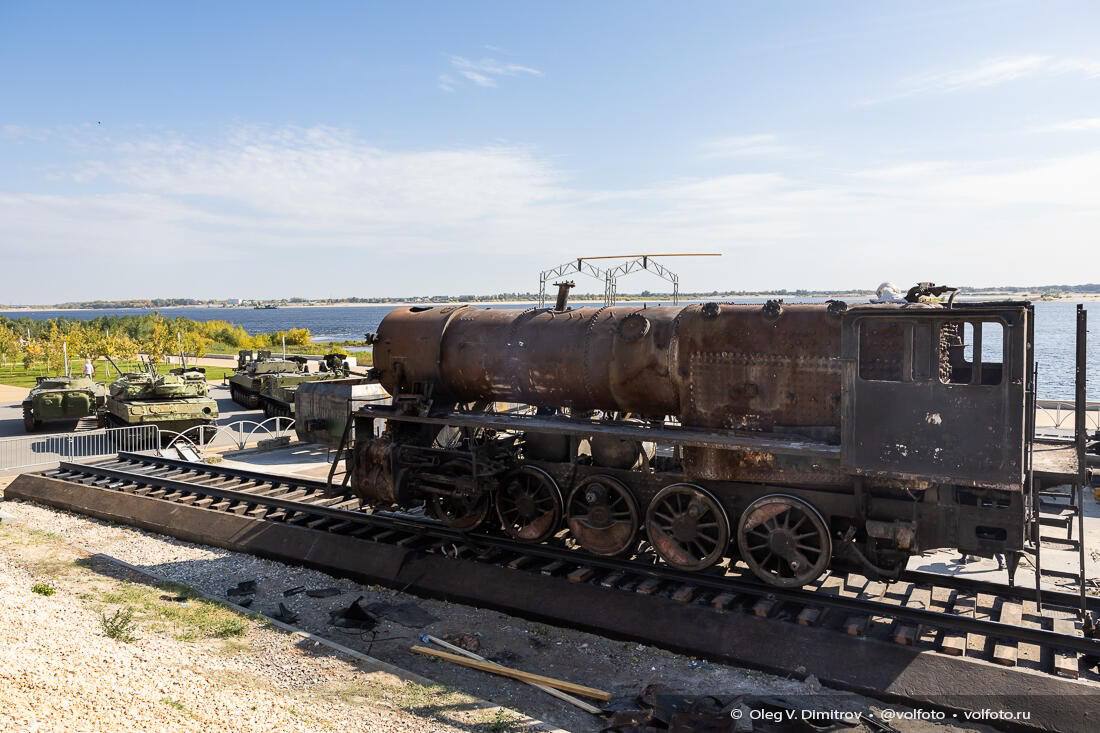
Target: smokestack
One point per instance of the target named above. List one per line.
(563, 295)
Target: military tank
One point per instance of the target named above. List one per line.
(62, 400)
(174, 402)
(253, 369)
(277, 393)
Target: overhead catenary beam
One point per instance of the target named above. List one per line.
(611, 275)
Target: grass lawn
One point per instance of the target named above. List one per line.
(17, 376)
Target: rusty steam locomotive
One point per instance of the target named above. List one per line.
(788, 437)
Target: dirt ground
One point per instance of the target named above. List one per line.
(622, 668)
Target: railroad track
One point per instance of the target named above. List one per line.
(941, 614)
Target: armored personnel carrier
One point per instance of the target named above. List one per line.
(277, 393)
(253, 368)
(174, 402)
(62, 400)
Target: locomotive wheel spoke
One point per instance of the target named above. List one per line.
(603, 516)
(687, 527)
(774, 549)
(465, 512)
(529, 505)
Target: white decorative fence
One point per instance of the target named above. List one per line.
(32, 450)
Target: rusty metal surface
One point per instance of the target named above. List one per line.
(934, 415)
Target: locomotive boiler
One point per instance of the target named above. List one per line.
(787, 437)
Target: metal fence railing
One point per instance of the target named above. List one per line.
(35, 450)
(236, 435)
(1059, 415)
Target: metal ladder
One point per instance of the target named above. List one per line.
(1055, 511)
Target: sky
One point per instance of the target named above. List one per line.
(329, 149)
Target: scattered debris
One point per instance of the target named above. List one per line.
(429, 639)
(516, 674)
(323, 592)
(659, 709)
(285, 615)
(244, 588)
(245, 602)
(353, 617)
(174, 599)
(469, 642)
(293, 591)
(407, 614)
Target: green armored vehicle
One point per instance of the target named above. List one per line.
(253, 368)
(174, 402)
(277, 395)
(62, 400)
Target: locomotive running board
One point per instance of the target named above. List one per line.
(791, 445)
(889, 672)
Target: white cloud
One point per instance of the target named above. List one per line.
(483, 72)
(743, 146)
(991, 73)
(1082, 124)
(273, 197)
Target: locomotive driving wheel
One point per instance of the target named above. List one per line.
(784, 541)
(529, 504)
(463, 510)
(687, 527)
(602, 516)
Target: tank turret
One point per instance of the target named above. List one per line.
(175, 402)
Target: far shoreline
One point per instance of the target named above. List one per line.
(623, 300)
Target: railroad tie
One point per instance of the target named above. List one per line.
(1005, 653)
(1066, 664)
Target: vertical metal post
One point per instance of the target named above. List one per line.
(1079, 434)
(1036, 528)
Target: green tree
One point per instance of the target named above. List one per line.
(10, 347)
(160, 342)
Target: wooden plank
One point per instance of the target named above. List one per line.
(684, 594)
(552, 568)
(1005, 653)
(809, 615)
(613, 579)
(722, 601)
(1066, 664)
(520, 562)
(516, 674)
(984, 609)
(763, 607)
(856, 625)
(919, 598)
(954, 642)
(581, 575)
(1031, 655)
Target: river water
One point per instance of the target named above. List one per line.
(1054, 331)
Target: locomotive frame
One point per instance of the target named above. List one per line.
(934, 449)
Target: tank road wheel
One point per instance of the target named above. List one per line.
(602, 516)
(529, 505)
(687, 527)
(462, 512)
(784, 541)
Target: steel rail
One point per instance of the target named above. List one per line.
(865, 607)
(919, 577)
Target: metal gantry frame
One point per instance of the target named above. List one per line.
(611, 275)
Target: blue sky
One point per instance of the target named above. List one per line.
(265, 149)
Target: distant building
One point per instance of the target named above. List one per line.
(233, 301)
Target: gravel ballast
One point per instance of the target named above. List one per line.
(622, 668)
